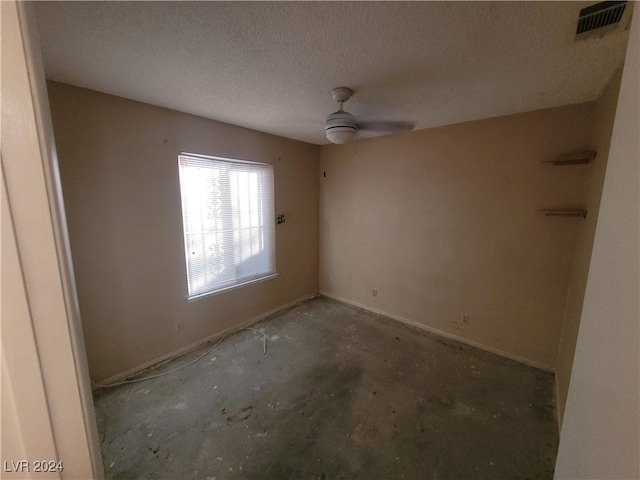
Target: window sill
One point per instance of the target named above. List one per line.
(233, 287)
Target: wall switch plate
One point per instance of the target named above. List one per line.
(179, 326)
(374, 292)
(465, 318)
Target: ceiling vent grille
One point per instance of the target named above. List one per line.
(600, 15)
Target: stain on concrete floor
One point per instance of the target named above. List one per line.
(341, 394)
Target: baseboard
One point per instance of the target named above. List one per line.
(450, 336)
(194, 345)
(559, 415)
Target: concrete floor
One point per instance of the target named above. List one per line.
(340, 394)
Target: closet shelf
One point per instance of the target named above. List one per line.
(550, 212)
(572, 159)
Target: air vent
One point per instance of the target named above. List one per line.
(600, 15)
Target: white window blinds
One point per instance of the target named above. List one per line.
(228, 220)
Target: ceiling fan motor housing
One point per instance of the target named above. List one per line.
(340, 127)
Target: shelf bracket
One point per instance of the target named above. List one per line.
(550, 212)
(573, 158)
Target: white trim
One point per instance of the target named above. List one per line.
(555, 402)
(47, 299)
(196, 344)
(233, 287)
(440, 333)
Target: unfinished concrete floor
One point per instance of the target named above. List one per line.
(340, 394)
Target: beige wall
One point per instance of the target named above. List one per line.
(604, 116)
(601, 429)
(118, 164)
(443, 222)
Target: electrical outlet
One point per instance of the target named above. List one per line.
(374, 292)
(179, 326)
(465, 319)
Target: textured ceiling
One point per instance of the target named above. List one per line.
(270, 65)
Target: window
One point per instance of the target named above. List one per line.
(228, 221)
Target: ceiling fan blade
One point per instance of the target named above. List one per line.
(386, 126)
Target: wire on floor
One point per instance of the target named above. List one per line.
(136, 380)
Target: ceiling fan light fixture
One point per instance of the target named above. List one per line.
(340, 127)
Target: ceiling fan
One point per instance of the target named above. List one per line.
(341, 127)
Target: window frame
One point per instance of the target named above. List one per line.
(269, 223)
